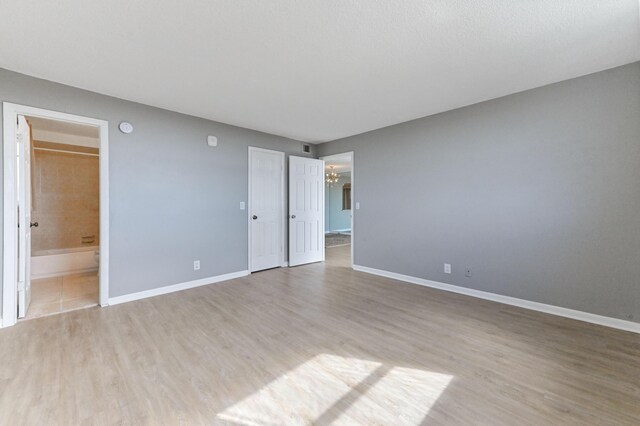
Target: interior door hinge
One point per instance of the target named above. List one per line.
(21, 286)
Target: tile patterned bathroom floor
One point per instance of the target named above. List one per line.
(61, 294)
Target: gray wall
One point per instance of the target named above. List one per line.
(173, 199)
(538, 193)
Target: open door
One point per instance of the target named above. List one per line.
(306, 210)
(266, 209)
(23, 139)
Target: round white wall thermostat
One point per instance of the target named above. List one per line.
(126, 127)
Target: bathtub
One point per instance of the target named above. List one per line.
(54, 263)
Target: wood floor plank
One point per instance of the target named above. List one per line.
(316, 344)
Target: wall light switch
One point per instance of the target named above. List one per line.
(241, 205)
(447, 268)
(357, 206)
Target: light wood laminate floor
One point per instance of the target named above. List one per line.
(317, 344)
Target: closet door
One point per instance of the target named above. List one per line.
(266, 209)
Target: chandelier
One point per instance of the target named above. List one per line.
(332, 177)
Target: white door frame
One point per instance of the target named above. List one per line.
(282, 204)
(353, 204)
(9, 226)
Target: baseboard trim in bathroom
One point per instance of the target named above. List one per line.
(62, 274)
(176, 287)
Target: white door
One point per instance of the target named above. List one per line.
(306, 210)
(23, 139)
(266, 208)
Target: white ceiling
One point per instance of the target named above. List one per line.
(315, 70)
(340, 163)
(56, 126)
(46, 130)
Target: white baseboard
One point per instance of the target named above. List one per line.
(508, 300)
(176, 287)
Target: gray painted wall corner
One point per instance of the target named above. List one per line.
(537, 193)
(173, 199)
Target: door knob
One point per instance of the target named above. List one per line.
(33, 224)
(254, 217)
(293, 216)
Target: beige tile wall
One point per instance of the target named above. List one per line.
(65, 200)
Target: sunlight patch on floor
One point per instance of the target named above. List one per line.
(330, 389)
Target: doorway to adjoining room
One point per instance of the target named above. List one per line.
(338, 204)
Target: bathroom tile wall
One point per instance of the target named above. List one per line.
(65, 200)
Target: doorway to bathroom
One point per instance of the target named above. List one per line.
(65, 217)
(57, 234)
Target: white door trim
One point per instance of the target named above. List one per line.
(282, 204)
(10, 235)
(353, 204)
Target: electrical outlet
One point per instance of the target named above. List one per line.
(196, 265)
(467, 273)
(447, 268)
